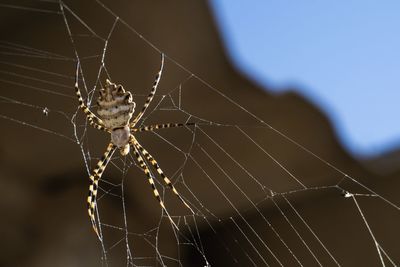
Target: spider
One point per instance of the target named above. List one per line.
(115, 116)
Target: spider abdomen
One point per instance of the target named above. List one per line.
(117, 115)
(115, 106)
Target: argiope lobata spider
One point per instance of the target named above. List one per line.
(115, 110)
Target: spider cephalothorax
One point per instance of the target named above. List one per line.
(116, 109)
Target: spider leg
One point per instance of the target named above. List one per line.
(161, 126)
(159, 170)
(93, 119)
(94, 182)
(146, 170)
(151, 95)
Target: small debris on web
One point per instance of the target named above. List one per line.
(45, 111)
(346, 194)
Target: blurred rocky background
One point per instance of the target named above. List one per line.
(43, 179)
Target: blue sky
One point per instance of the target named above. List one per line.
(342, 55)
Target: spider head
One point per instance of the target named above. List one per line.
(124, 150)
(120, 138)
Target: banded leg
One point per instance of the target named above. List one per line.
(159, 170)
(94, 184)
(151, 95)
(161, 126)
(93, 119)
(146, 170)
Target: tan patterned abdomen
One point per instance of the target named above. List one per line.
(116, 115)
(115, 106)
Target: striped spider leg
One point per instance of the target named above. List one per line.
(151, 94)
(94, 184)
(156, 166)
(92, 118)
(150, 128)
(115, 115)
(146, 170)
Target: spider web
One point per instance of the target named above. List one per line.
(257, 211)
